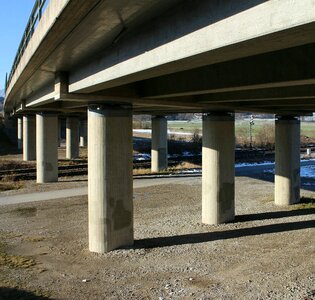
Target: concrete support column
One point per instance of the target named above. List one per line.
(83, 133)
(72, 138)
(287, 158)
(110, 178)
(59, 132)
(218, 159)
(29, 139)
(159, 144)
(20, 132)
(47, 147)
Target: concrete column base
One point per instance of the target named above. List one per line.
(218, 159)
(72, 138)
(29, 140)
(20, 133)
(110, 178)
(47, 147)
(159, 151)
(287, 158)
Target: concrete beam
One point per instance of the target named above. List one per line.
(110, 178)
(289, 67)
(29, 139)
(218, 158)
(47, 147)
(248, 27)
(287, 158)
(52, 30)
(159, 144)
(72, 138)
(41, 97)
(281, 93)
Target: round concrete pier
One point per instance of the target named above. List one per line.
(47, 147)
(110, 178)
(72, 138)
(20, 133)
(287, 158)
(159, 144)
(29, 140)
(218, 158)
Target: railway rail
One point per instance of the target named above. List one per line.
(80, 167)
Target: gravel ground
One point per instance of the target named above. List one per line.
(267, 253)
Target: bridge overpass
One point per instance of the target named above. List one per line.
(109, 59)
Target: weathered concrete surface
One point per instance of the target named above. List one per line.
(20, 132)
(29, 139)
(47, 147)
(110, 178)
(159, 144)
(42, 44)
(287, 159)
(218, 158)
(122, 43)
(72, 138)
(155, 51)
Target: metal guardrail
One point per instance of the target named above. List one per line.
(29, 30)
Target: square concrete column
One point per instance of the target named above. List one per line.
(72, 138)
(287, 158)
(159, 160)
(218, 159)
(20, 132)
(29, 140)
(110, 178)
(47, 147)
(83, 133)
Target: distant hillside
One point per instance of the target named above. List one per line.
(1, 104)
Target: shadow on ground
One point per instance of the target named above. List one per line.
(197, 238)
(16, 294)
(280, 214)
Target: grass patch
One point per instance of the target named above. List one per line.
(16, 261)
(25, 211)
(13, 261)
(305, 203)
(267, 199)
(263, 130)
(10, 288)
(185, 165)
(5, 186)
(34, 239)
(142, 171)
(181, 166)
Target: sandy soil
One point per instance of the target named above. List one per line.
(267, 253)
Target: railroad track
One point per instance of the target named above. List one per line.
(64, 171)
(79, 169)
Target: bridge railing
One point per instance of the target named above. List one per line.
(33, 21)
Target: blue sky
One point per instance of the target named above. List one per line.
(14, 15)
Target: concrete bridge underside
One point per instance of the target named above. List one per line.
(110, 59)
